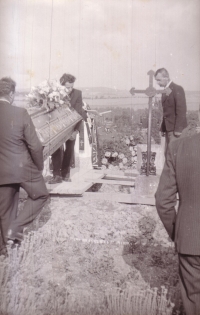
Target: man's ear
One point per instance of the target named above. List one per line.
(11, 96)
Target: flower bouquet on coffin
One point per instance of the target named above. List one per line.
(49, 94)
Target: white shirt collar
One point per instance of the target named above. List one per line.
(168, 84)
(4, 100)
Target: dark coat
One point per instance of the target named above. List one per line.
(21, 152)
(174, 109)
(77, 103)
(181, 174)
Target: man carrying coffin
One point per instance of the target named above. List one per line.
(181, 174)
(61, 162)
(21, 165)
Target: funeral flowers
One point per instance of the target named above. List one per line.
(49, 94)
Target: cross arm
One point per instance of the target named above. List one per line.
(133, 91)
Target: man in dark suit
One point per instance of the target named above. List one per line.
(181, 174)
(61, 162)
(21, 164)
(174, 107)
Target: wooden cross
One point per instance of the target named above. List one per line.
(150, 92)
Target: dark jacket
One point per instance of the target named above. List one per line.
(77, 103)
(181, 174)
(21, 152)
(174, 109)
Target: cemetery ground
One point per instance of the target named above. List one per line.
(84, 257)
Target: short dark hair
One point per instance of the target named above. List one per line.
(7, 85)
(164, 72)
(66, 77)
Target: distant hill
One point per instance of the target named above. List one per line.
(102, 90)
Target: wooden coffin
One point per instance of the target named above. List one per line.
(55, 127)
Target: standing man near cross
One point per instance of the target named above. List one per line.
(174, 107)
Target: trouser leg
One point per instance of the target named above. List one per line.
(57, 162)
(189, 271)
(169, 137)
(9, 197)
(37, 196)
(68, 154)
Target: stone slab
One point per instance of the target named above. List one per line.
(114, 182)
(146, 185)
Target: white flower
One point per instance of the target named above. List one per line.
(127, 141)
(103, 167)
(61, 102)
(133, 159)
(111, 167)
(131, 138)
(124, 161)
(104, 161)
(46, 89)
(121, 156)
(131, 148)
(115, 154)
(107, 154)
(30, 95)
(133, 153)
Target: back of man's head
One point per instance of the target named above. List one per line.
(163, 71)
(7, 85)
(66, 77)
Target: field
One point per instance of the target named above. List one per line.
(192, 98)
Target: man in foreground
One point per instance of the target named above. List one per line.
(181, 174)
(61, 162)
(21, 165)
(174, 107)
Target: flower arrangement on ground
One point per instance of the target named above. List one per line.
(121, 154)
(49, 94)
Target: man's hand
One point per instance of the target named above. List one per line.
(163, 134)
(73, 136)
(177, 134)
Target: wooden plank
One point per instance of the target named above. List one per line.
(114, 182)
(71, 188)
(109, 172)
(86, 174)
(118, 177)
(120, 197)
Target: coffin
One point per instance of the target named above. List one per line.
(55, 127)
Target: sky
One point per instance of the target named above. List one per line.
(104, 43)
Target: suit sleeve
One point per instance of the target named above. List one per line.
(33, 143)
(166, 195)
(180, 109)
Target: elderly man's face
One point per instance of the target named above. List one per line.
(69, 87)
(161, 80)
